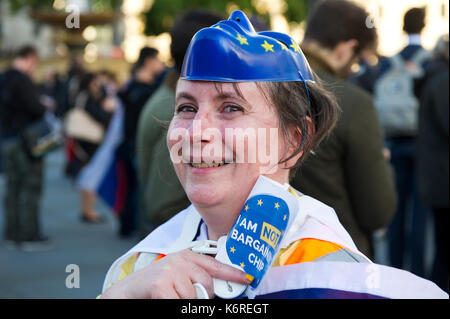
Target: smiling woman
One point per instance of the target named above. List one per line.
(239, 114)
(239, 94)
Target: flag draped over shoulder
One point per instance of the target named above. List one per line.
(105, 174)
(345, 280)
(330, 277)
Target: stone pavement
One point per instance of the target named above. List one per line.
(92, 247)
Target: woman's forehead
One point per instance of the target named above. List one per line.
(242, 90)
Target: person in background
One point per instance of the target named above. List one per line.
(433, 157)
(161, 194)
(367, 71)
(2, 83)
(147, 75)
(396, 94)
(72, 83)
(348, 170)
(70, 90)
(52, 87)
(109, 82)
(95, 101)
(21, 106)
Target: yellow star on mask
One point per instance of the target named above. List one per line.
(284, 217)
(267, 46)
(277, 205)
(232, 249)
(260, 202)
(283, 46)
(246, 208)
(242, 40)
(295, 46)
(242, 265)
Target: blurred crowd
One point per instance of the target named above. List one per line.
(384, 168)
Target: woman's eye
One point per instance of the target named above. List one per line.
(232, 108)
(186, 109)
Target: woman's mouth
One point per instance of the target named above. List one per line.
(208, 165)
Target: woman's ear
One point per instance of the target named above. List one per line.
(296, 137)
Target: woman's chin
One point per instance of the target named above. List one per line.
(205, 196)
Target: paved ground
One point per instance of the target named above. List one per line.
(92, 247)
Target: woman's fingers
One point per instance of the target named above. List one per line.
(174, 277)
(216, 269)
(201, 276)
(167, 294)
(184, 287)
(227, 272)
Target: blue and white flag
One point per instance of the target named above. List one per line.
(320, 278)
(105, 175)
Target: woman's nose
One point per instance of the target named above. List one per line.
(201, 127)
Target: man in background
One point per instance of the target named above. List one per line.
(396, 93)
(147, 75)
(21, 106)
(433, 155)
(348, 170)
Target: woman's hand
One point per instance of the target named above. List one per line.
(173, 277)
(109, 104)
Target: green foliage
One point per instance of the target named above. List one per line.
(161, 15)
(297, 10)
(105, 5)
(16, 5)
(95, 5)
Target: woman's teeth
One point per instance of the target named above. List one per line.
(206, 165)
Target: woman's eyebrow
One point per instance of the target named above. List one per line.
(185, 95)
(224, 96)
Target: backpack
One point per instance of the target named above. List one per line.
(394, 97)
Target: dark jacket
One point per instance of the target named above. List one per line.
(20, 104)
(432, 141)
(162, 195)
(134, 98)
(348, 171)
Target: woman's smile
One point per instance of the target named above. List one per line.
(206, 168)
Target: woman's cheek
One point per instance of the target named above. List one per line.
(175, 141)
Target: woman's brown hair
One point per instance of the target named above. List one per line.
(307, 106)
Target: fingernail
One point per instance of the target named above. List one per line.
(249, 278)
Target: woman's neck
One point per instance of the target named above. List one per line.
(220, 217)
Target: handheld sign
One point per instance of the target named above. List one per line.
(254, 239)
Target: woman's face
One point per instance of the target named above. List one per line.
(95, 85)
(221, 142)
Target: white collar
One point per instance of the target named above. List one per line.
(414, 39)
